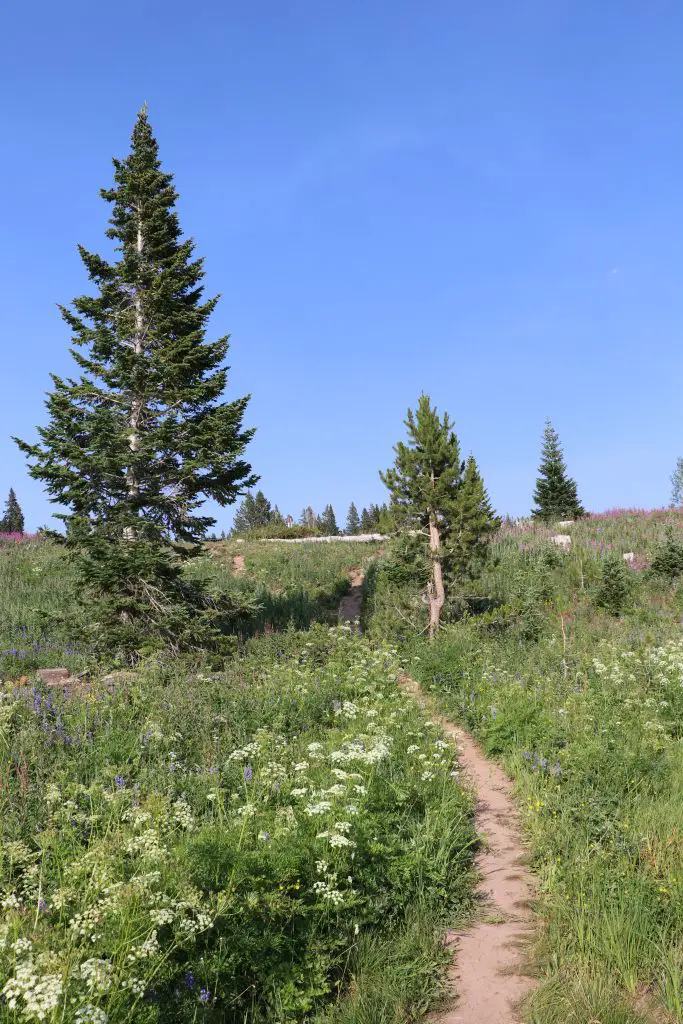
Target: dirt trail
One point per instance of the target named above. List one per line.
(485, 978)
(352, 603)
(485, 975)
(238, 566)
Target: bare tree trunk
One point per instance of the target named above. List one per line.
(435, 590)
(132, 483)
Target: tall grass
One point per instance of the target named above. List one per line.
(586, 711)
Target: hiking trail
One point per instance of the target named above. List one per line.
(486, 979)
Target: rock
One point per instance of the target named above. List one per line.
(629, 556)
(566, 522)
(53, 676)
(562, 540)
(119, 676)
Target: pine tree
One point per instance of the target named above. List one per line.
(13, 519)
(614, 590)
(365, 522)
(134, 444)
(308, 518)
(473, 524)
(677, 484)
(352, 520)
(328, 522)
(668, 557)
(433, 492)
(555, 494)
(263, 510)
(245, 516)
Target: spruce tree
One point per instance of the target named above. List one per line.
(555, 494)
(137, 441)
(433, 492)
(308, 518)
(263, 510)
(352, 520)
(245, 516)
(365, 522)
(474, 523)
(328, 522)
(13, 519)
(614, 590)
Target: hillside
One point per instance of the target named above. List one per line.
(284, 836)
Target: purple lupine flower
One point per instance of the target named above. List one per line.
(119, 781)
(556, 770)
(248, 773)
(204, 995)
(189, 980)
(526, 754)
(42, 905)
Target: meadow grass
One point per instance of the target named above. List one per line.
(236, 846)
(586, 712)
(283, 586)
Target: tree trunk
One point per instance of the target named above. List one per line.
(435, 590)
(132, 482)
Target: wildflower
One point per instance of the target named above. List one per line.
(119, 781)
(204, 995)
(248, 773)
(189, 980)
(556, 770)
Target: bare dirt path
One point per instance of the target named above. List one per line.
(238, 566)
(486, 978)
(352, 603)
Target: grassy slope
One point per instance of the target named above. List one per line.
(287, 585)
(288, 828)
(586, 711)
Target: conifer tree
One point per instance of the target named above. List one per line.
(13, 519)
(245, 516)
(433, 492)
(677, 483)
(328, 522)
(308, 517)
(614, 590)
(473, 524)
(352, 520)
(555, 493)
(137, 441)
(263, 510)
(365, 522)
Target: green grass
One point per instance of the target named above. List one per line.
(586, 712)
(285, 586)
(226, 847)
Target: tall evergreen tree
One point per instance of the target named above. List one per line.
(13, 519)
(263, 510)
(473, 524)
(434, 492)
(555, 493)
(328, 522)
(308, 517)
(352, 520)
(365, 522)
(245, 516)
(136, 442)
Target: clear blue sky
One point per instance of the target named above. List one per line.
(481, 200)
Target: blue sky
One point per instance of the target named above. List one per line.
(482, 201)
